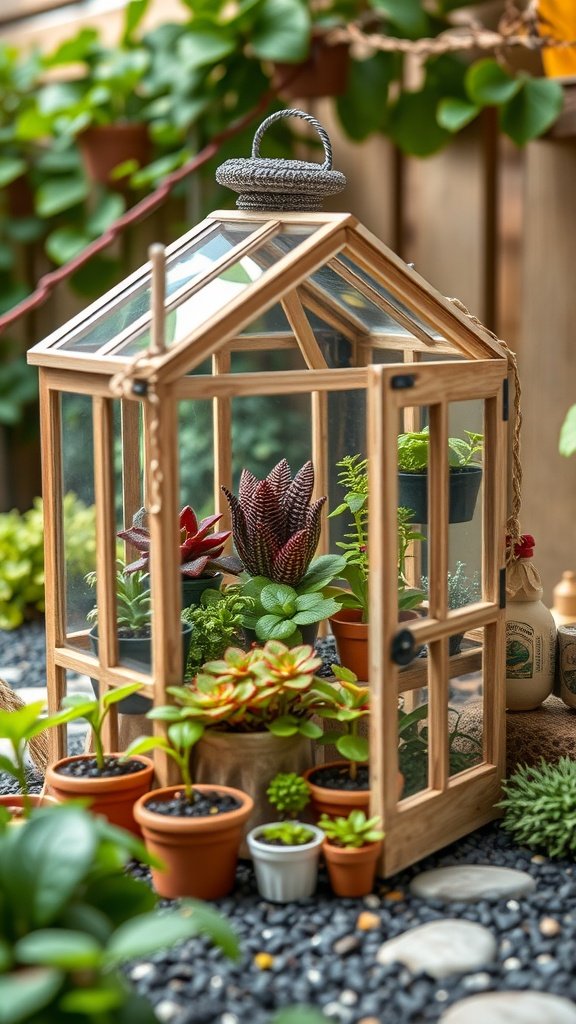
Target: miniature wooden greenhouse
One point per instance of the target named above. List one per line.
(260, 335)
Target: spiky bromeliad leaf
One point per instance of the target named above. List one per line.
(276, 530)
(540, 806)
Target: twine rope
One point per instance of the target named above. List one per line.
(513, 529)
(122, 386)
(38, 746)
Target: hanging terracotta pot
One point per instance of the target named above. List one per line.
(199, 855)
(105, 146)
(112, 796)
(249, 761)
(351, 870)
(324, 73)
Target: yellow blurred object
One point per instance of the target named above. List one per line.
(558, 19)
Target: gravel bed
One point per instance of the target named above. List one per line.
(319, 952)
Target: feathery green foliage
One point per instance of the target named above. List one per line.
(540, 806)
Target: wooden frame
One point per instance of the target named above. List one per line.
(449, 806)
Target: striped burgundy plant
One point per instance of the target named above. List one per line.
(275, 526)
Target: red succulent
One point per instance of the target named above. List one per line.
(200, 550)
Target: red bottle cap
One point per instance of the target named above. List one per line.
(524, 548)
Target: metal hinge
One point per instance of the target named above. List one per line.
(505, 400)
(400, 381)
(502, 588)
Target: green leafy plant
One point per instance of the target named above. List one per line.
(71, 916)
(95, 712)
(266, 689)
(346, 704)
(217, 624)
(275, 526)
(18, 727)
(289, 793)
(354, 831)
(462, 588)
(464, 749)
(286, 833)
(540, 807)
(414, 447)
(133, 601)
(182, 734)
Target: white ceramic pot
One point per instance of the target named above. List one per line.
(285, 873)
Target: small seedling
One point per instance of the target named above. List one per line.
(346, 704)
(181, 736)
(286, 833)
(289, 793)
(18, 728)
(354, 831)
(95, 711)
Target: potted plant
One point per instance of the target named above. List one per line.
(286, 852)
(110, 782)
(351, 850)
(465, 474)
(462, 590)
(201, 557)
(217, 623)
(73, 915)
(18, 728)
(255, 709)
(350, 624)
(134, 630)
(194, 831)
(276, 529)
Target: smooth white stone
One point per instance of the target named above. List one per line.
(441, 948)
(511, 1008)
(166, 1010)
(470, 882)
(140, 971)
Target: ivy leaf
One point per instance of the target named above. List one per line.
(487, 84)
(407, 16)
(363, 107)
(567, 444)
(454, 114)
(532, 110)
(109, 209)
(11, 167)
(202, 47)
(60, 194)
(413, 125)
(353, 748)
(282, 31)
(63, 244)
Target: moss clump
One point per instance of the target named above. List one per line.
(540, 806)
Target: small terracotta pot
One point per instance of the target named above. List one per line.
(112, 797)
(15, 803)
(336, 802)
(105, 146)
(199, 854)
(324, 73)
(351, 636)
(351, 870)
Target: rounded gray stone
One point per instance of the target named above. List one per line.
(471, 882)
(441, 948)
(511, 1008)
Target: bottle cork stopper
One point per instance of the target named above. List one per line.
(565, 595)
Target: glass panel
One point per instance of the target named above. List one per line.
(413, 739)
(465, 707)
(182, 268)
(266, 429)
(214, 295)
(412, 517)
(79, 515)
(196, 446)
(268, 360)
(273, 321)
(465, 427)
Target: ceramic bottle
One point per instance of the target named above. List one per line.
(530, 633)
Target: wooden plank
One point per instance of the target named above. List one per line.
(438, 714)
(77, 384)
(54, 564)
(286, 218)
(103, 428)
(438, 511)
(87, 664)
(474, 380)
(283, 382)
(415, 676)
(222, 426)
(131, 473)
(303, 332)
(495, 477)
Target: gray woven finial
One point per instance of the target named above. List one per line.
(277, 184)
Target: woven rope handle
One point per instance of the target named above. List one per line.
(327, 165)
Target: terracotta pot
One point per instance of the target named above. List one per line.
(351, 636)
(112, 797)
(15, 803)
(336, 802)
(249, 761)
(324, 73)
(351, 871)
(199, 854)
(105, 146)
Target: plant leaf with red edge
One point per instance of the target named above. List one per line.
(142, 563)
(137, 536)
(194, 568)
(188, 520)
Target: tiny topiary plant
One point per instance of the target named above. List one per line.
(540, 806)
(286, 833)
(354, 831)
(289, 793)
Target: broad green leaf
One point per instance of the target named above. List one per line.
(59, 947)
(532, 110)
(11, 167)
(56, 851)
(363, 108)
(26, 992)
(454, 114)
(185, 734)
(320, 573)
(118, 898)
(119, 693)
(567, 443)
(92, 1002)
(201, 48)
(413, 125)
(281, 31)
(487, 84)
(285, 725)
(5, 954)
(353, 748)
(271, 627)
(321, 610)
(134, 13)
(14, 725)
(310, 730)
(149, 932)
(109, 209)
(73, 50)
(408, 16)
(278, 598)
(60, 194)
(63, 244)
